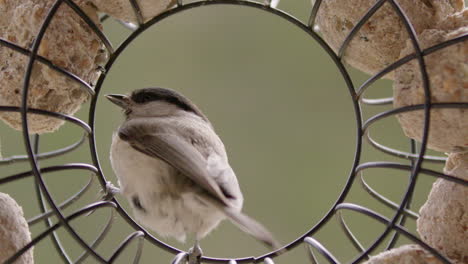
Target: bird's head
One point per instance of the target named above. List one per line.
(150, 102)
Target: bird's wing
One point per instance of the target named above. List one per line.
(178, 153)
(189, 161)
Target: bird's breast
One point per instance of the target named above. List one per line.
(162, 199)
(137, 172)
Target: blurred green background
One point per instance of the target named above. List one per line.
(279, 104)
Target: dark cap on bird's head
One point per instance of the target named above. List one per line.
(152, 94)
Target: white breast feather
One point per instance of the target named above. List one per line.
(141, 175)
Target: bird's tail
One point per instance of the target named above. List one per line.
(252, 227)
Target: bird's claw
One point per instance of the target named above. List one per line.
(194, 254)
(109, 192)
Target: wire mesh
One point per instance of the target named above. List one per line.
(396, 223)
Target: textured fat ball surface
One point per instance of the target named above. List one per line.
(443, 220)
(68, 43)
(14, 231)
(448, 83)
(123, 10)
(407, 254)
(379, 41)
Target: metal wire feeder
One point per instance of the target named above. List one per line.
(395, 226)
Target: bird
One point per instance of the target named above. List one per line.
(173, 169)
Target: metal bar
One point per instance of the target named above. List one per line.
(45, 155)
(83, 85)
(389, 222)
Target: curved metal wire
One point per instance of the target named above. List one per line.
(98, 239)
(84, 85)
(68, 118)
(402, 154)
(83, 211)
(398, 228)
(311, 242)
(374, 8)
(95, 28)
(394, 225)
(123, 245)
(349, 233)
(400, 62)
(44, 155)
(137, 11)
(63, 205)
(70, 166)
(385, 200)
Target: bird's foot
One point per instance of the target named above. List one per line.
(195, 254)
(106, 194)
(109, 192)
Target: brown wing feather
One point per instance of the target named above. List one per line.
(177, 153)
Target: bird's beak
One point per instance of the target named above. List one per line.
(119, 99)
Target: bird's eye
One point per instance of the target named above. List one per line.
(147, 98)
(144, 98)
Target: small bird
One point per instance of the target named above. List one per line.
(173, 168)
